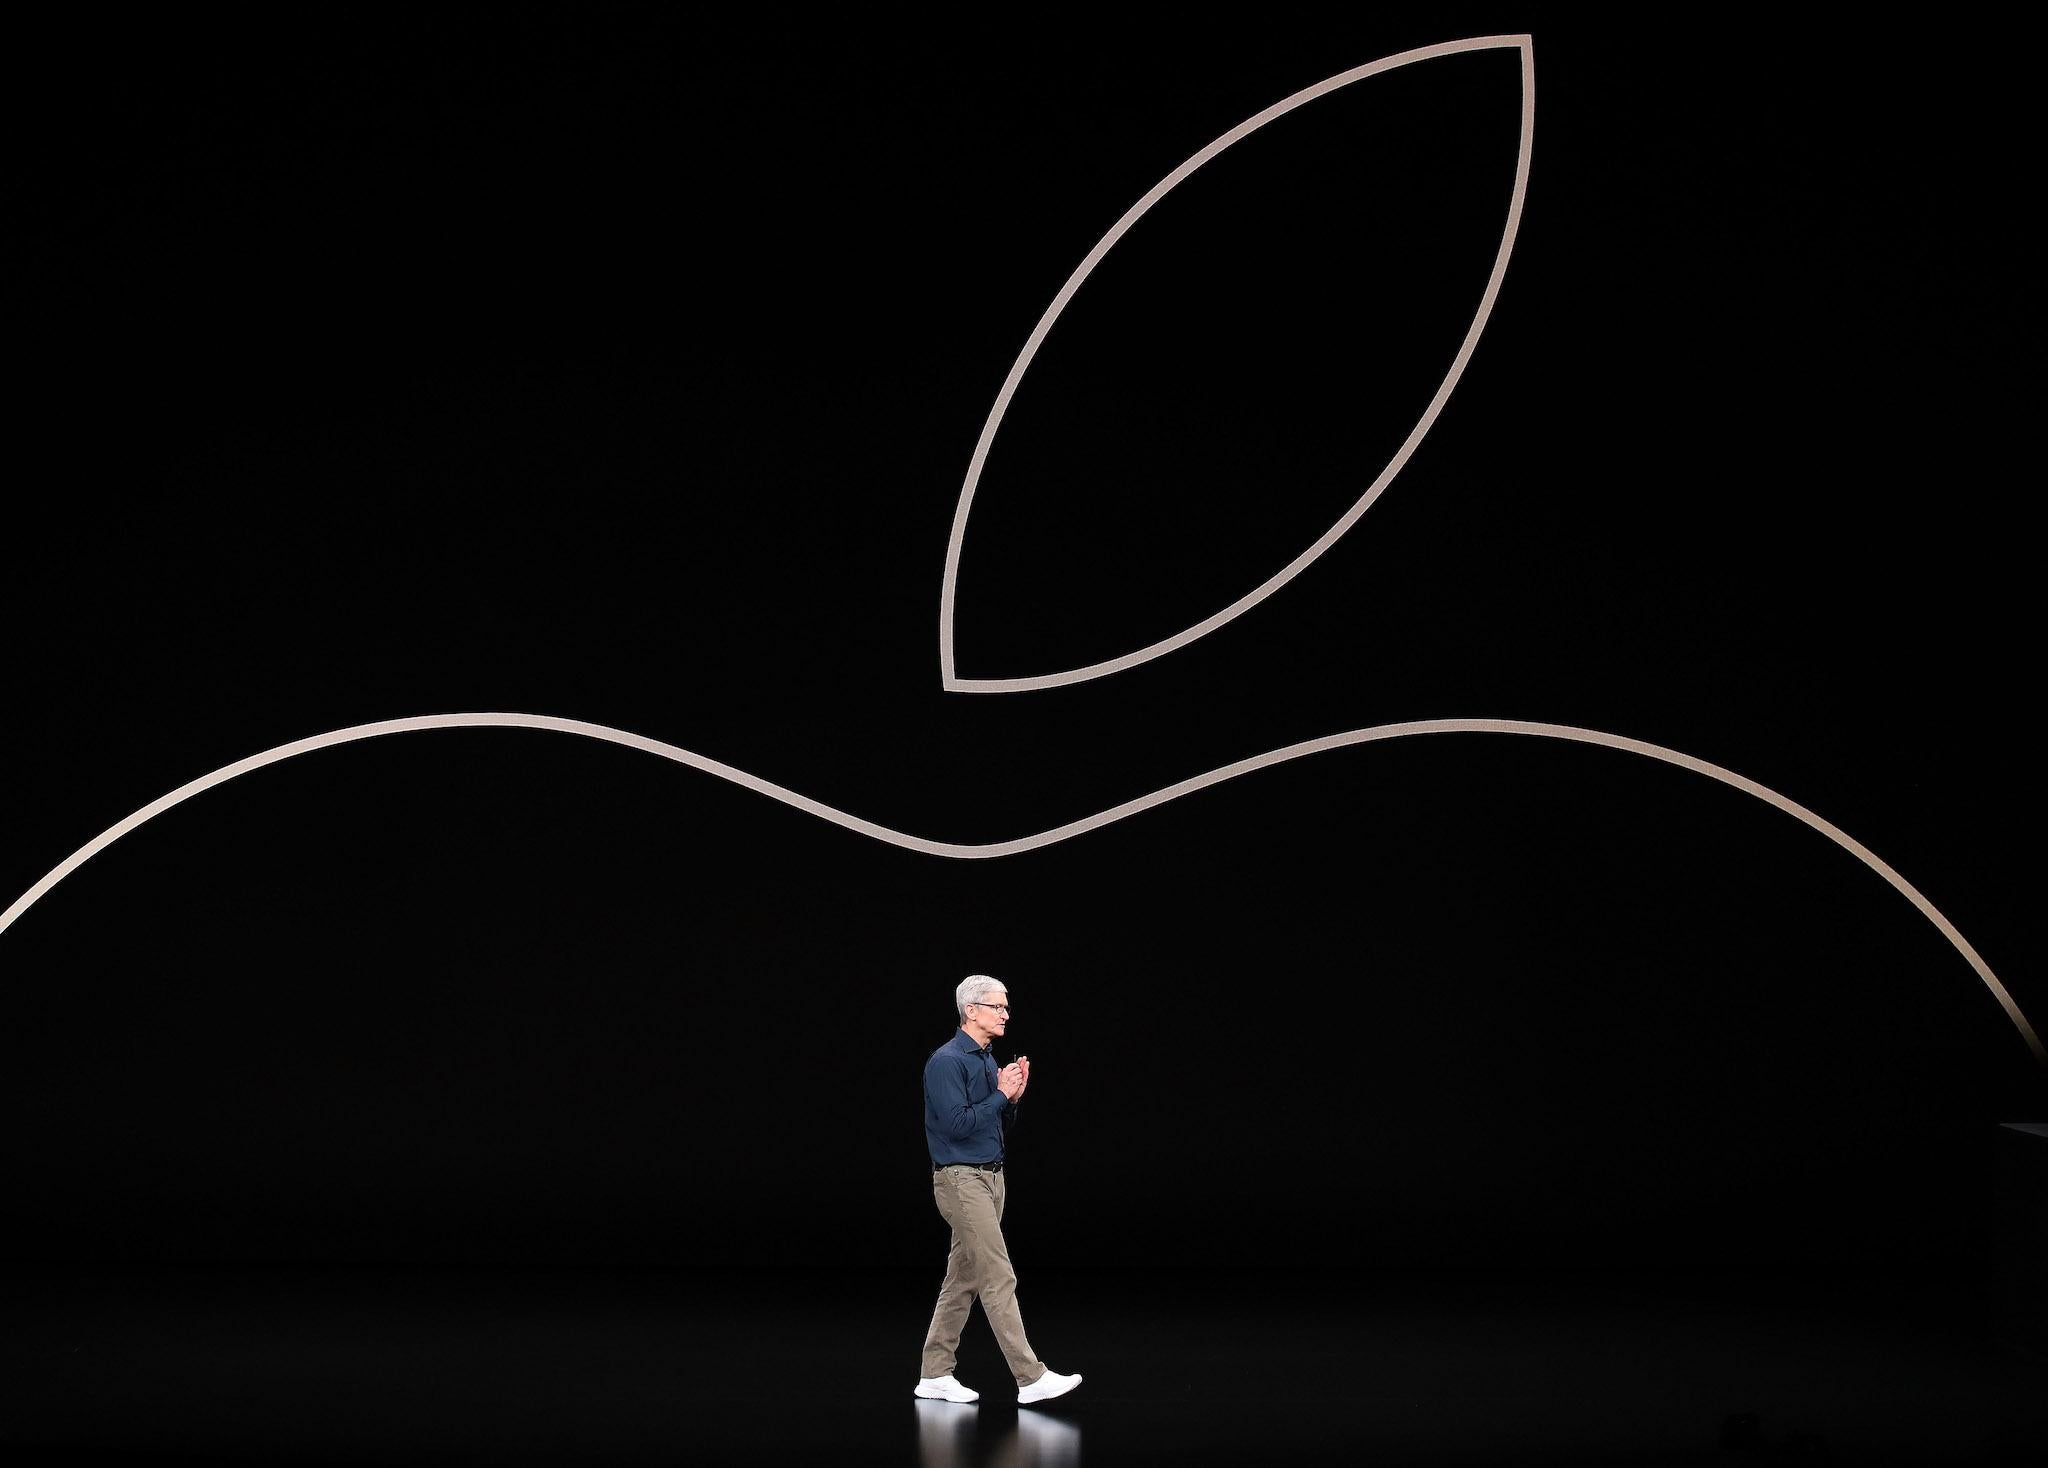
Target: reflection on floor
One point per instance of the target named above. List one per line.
(961, 1435)
(387, 1366)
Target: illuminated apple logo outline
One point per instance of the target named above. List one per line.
(1189, 786)
(948, 587)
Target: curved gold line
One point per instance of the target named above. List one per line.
(947, 675)
(1058, 833)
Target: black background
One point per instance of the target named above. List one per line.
(627, 371)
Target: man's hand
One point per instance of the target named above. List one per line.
(1014, 1078)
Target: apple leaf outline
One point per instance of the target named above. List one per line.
(949, 677)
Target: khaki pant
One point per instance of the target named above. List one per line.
(979, 1265)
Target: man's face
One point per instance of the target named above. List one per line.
(991, 1013)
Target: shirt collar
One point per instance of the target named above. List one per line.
(964, 1043)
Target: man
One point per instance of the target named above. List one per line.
(967, 1102)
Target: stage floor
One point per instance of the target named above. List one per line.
(811, 1365)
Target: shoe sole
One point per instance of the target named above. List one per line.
(942, 1397)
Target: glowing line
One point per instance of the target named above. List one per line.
(947, 586)
(1058, 833)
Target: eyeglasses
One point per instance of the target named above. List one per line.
(998, 1008)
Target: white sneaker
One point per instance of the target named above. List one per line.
(945, 1389)
(1048, 1386)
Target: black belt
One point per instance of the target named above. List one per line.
(984, 1166)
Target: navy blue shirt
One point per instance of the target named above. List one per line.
(963, 1110)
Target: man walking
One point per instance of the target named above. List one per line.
(967, 1103)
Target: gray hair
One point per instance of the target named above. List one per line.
(975, 988)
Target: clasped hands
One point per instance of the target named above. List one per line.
(1014, 1077)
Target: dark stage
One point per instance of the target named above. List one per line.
(567, 582)
(1217, 1366)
